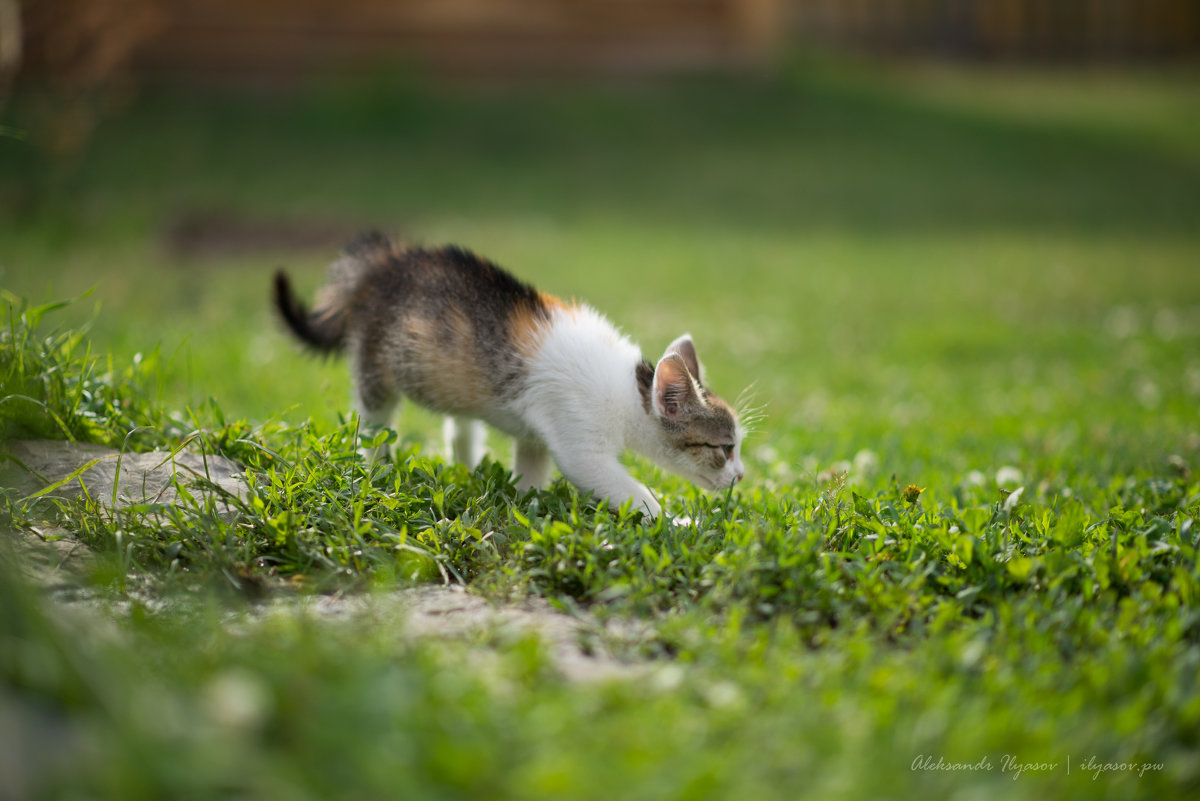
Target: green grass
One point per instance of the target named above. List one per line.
(929, 277)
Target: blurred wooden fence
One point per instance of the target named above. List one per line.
(239, 39)
(475, 37)
(1092, 30)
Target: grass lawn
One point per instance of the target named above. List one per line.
(982, 286)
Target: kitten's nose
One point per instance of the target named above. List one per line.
(740, 474)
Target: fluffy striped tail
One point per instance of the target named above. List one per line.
(322, 332)
(324, 327)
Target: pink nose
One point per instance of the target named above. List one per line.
(739, 476)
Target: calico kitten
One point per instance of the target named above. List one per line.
(459, 335)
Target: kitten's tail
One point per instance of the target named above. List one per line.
(324, 327)
(320, 331)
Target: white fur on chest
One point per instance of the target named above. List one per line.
(581, 387)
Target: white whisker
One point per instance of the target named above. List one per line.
(749, 413)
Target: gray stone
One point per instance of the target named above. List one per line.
(50, 557)
(117, 479)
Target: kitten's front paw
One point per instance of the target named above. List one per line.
(645, 503)
(683, 521)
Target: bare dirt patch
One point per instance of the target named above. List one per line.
(580, 647)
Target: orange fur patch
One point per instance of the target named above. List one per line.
(446, 376)
(527, 324)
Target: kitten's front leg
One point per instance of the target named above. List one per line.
(605, 476)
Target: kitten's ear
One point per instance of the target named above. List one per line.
(687, 351)
(673, 386)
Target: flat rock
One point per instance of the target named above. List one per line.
(50, 557)
(116, 479)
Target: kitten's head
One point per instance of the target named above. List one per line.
(698, 433)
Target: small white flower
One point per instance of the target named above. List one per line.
(1122, 322)
(1191, 379)
(236, 699)
(1013, 499)
(724, 694)
(1009, 476)
(1148, 394)
(866, 463)
(766, 453)
(667, 678)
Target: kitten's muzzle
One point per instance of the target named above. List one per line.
(729, 482)
(720, 482)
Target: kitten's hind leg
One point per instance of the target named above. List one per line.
(533, 464)
(465, 439)
(371, 419)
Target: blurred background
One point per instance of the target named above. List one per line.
(950, 244)
(274, 40)
(900, 219)
(91, 56)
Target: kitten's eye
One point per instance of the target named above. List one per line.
(725, 449)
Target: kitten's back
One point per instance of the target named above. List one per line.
(443, 326)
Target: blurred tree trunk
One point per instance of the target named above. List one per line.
(63, 65)
(758, 27)
(10, 45)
